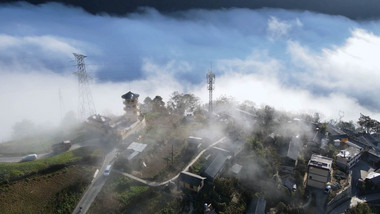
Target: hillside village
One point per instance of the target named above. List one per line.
(178, 157)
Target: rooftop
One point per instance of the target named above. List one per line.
(216, 165)
(236, 168)
(257, 206)
(294, 148)
(350, 152)
(191, 178)
(372, 175)
(334, 131)
(99, 118)
(138, 147)
(130, 96)
(320, 161)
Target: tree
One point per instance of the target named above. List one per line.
(346, 125)
(360, 208)
(180, 102)
(368, 124)
(147, 106)
(158, 104)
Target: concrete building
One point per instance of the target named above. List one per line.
(131, 102)
(319, 171)
(99, 123)
(348, 157)
(191, 181)
(336, 134)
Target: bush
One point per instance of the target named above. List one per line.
(361, 208)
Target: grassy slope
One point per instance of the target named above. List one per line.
(123, 195)
(39, 142)
(12, 171)
(51, 185)
(56, 192)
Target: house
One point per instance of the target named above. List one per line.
(191, 181)
(348, 157)
(373, 178)
(131, 102)
(61, 147)
(294, 148)
(194, 142)
(133, 150)
(99, 123)
(189, 115)
(256, 206)
(319, 171)
(335, 133)
(216, 167)
(372, 156)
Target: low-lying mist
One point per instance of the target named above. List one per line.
(295, 61)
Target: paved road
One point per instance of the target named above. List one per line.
(155, 184)
(96, 185)
(14, 159)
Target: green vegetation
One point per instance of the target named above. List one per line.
(55, 192)
(121, 194)
(361, 208)
(226, 196)
(14, 171)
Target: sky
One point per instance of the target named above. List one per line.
(296, 61)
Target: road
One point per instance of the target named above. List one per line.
(96, 185)
(13, 159)
(155, 184)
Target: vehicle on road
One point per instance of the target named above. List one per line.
(107, 171)
(30, 157)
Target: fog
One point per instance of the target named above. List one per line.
(296, 61)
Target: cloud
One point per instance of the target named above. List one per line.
(292, 60)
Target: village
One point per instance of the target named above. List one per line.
(241, 159)
(221, 157)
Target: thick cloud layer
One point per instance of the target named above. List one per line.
(295, 61)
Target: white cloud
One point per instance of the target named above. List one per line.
(311, 62)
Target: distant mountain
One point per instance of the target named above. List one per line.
(354, 9)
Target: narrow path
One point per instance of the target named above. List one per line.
(155, 184)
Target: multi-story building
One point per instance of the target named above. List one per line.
(131, 102)
(319, 171)
(348, 157)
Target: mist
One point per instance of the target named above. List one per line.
(295, 61)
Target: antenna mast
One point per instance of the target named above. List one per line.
(210, 87)
(86, 105)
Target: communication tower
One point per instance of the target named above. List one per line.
(210, 86)
(86, 105)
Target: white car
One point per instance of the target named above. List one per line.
(30, 157)
(107, 171)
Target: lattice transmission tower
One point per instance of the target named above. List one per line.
(210, 87)
(86, 106)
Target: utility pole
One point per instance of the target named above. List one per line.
(61, 104)
(210, 87)
(86, 105)
(172, 155)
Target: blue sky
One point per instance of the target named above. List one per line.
(293, 60)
